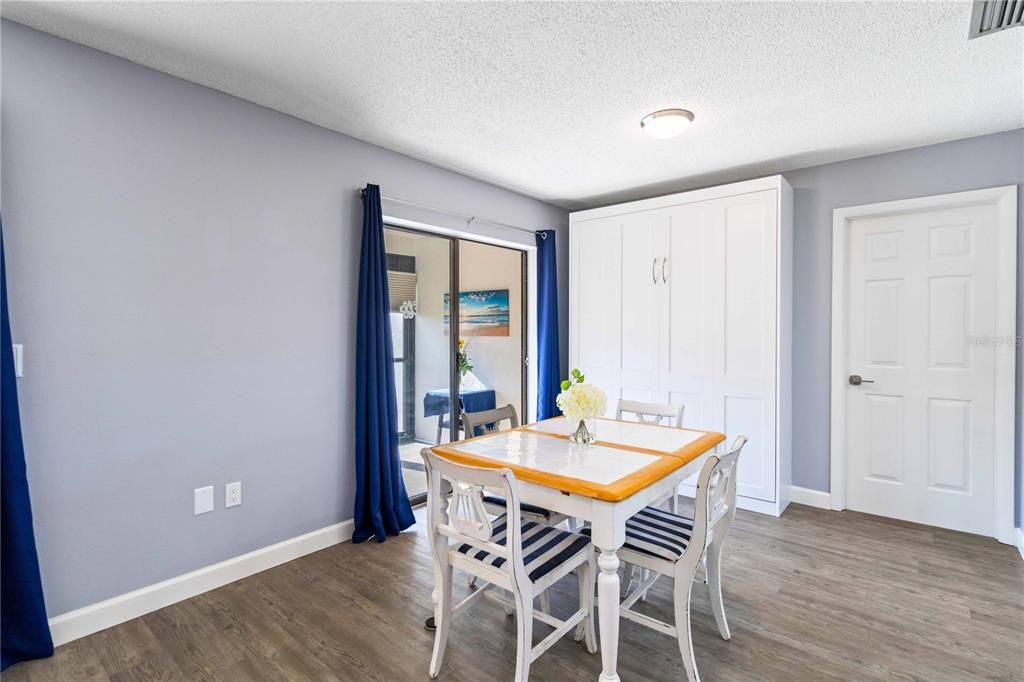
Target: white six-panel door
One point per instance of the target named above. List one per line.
(920, 436)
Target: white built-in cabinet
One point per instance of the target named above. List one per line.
(687, 299)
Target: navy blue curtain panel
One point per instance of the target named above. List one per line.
(24, 631)
(382, 505)
(548, 365)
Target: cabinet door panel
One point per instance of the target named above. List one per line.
(693, 292)
(679, 305)
(697, 412)
(596, 348)
(744, 359)
(747, 415)
(747, 276)
(643, 296)
(645, 395)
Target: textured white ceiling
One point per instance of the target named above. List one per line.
(546, 98)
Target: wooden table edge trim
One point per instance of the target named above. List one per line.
(618, 490)
(687, 453)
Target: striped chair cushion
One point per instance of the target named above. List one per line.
(530, 509)
(657, 533)
(545, 548)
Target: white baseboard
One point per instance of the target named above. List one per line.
(1020, 541)
(102, 615)
(810, 497)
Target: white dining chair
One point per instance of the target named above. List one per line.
(669, 544)
(522, 557)
(489, 421)
(664, 414)
(653, 413)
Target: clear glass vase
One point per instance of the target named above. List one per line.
(583, 431)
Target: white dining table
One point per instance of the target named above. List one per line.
(630, 466)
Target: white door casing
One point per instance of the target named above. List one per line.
(924, 306)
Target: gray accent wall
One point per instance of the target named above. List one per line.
(182, 272)
(975, 163)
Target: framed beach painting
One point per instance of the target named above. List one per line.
(481, 313)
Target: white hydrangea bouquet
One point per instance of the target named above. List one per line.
(582, 404)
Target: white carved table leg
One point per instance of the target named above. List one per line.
(608, 610)
(608, 533)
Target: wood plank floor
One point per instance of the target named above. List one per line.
(814, 595)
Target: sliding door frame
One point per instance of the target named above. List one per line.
(527, 311)
(454, 380)
(408, 354)
(529, 251)
(524, 340)
(454, 414)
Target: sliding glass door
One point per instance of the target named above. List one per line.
(492, 327)
(402, 285)
(419, 278)
(465, 352)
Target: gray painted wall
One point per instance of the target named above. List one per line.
(975, 163)
(182, 273)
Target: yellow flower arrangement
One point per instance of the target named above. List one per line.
(462, 361)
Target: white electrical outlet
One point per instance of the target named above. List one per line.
(233, 494)
(204, 500)
(19, 360)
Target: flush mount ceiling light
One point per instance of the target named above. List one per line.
(666, 122)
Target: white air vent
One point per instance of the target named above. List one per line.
(990, 16)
